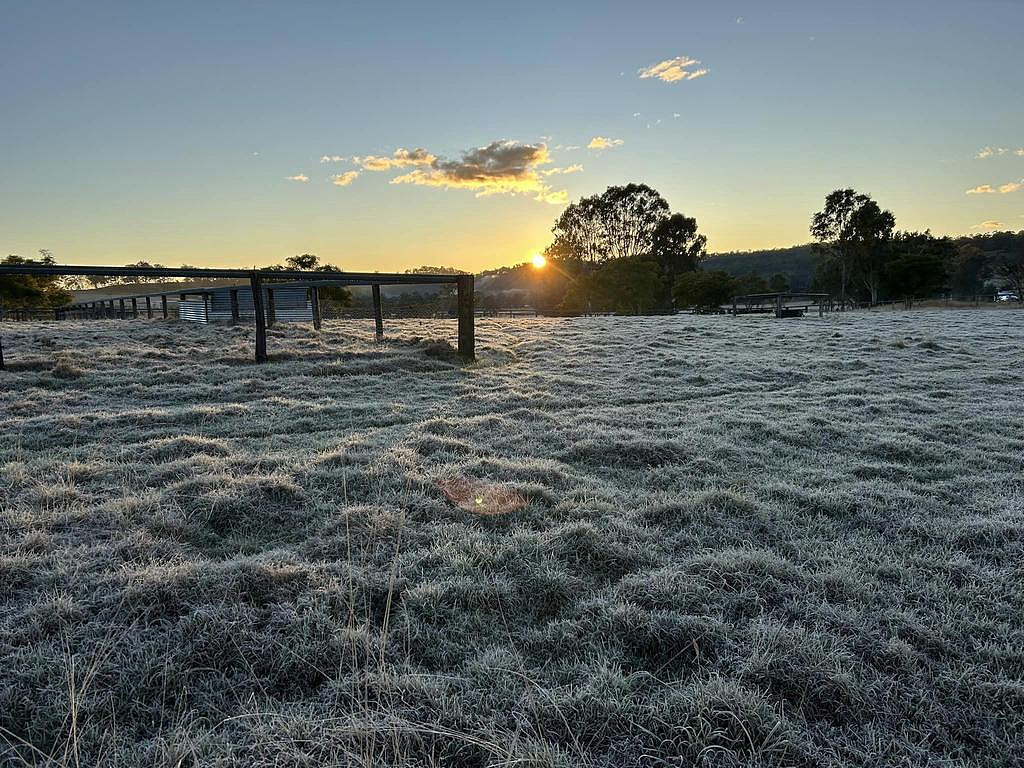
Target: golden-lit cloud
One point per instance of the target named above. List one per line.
(674, 70)
(344, 179)
(298, 177)
(602, 142)
(401, 158)
(501, 168)
(574, 168)
(1002, 189)
(988, 224)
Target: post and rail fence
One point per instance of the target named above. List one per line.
(260, 280)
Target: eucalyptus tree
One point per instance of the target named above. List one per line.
(853, 233)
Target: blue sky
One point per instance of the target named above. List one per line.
(169, 133)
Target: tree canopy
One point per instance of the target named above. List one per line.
(852, 233)
(310, 262)
(32, 290)
(623, 250)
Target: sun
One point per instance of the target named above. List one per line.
(539, 261)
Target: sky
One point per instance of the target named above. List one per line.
(385, 136)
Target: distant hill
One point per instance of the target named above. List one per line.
(796, 263)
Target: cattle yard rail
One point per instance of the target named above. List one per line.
(783, 304)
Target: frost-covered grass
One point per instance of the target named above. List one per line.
(744, 541)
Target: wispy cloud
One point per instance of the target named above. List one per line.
(574, 168)
(401, 158)
(988, 224)
(674, 70)
(501, 168)
(986, 152)
(1002, 189)
(344, 179)
(298, 177)
(602, 142)
(333, 159)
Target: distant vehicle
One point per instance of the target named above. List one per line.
(1007, 296)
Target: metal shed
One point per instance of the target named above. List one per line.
(284, 303)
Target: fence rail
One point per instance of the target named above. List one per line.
(262, 282)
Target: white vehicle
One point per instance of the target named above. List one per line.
(1007, 296)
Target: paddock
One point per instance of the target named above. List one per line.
(262, 286)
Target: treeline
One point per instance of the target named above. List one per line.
(624, 251)
(861, 257)
(903, 264)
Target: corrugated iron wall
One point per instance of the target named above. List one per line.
(192, 309)
(291, 305)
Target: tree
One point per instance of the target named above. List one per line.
(428, 270)
(917, 268)
(630, 286)
(632, 215)
(966, 270)
(310, 262)
(580, 232)
(1010, 267)
(626, 286)
(306, 262)
(1006, 260)
(778, 283)
(704, 290)
(624, 223)
(617, 224)
(851, 231)
(749, 283)
(676, 246)
(32, 290)
(870, 232)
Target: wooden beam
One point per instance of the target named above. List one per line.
(261, 322)
(149, 308)
(1, 354)
(234, 305)
(135, 307)
(467, 331)
(120, 309)
(163, 305)
(378, 312)
(343, 278)
(271, 310)
(314, 300)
